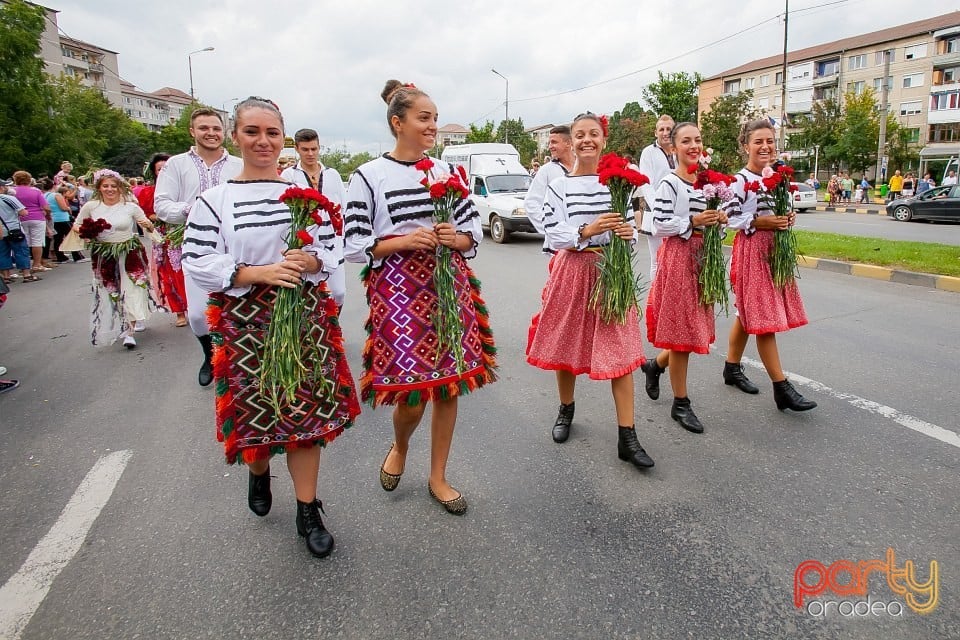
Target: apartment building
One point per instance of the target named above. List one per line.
(923, 81)
(93, 66)
(155, 109)
(452, 134)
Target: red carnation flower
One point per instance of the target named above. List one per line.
(304, 237)
(423, 164)
(463, 173)
(425, 183)
(316, 217)
(752, 186)
(337, 221)
(605, 126)
(438, 190)
(292, 193)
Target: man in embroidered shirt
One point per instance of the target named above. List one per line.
(183, 179)
(561, 163)
(656, 161)
(310, 172)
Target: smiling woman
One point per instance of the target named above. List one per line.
(235, 247)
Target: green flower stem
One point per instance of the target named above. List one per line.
(616, 290)
(446, 317)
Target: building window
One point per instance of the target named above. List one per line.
(913, 134)
(857, 62)
(911, 108)
(950, 46)
(828, 68)
(915, 51)
(763, 103)
(948, 132)
(941, 101)
(878, 56)
(877, 82)
(731, 86)
(825, 93)
(778, 78)
(749, 83)
(765, 80)
(913, 80)
(856, 87)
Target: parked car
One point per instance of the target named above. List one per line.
(804, 198)
(939, 203)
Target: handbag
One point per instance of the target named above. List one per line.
(72, 242)
(13, 235)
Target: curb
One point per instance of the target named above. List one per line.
(863, 210)
(930, 280)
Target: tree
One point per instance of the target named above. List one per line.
(674, 94)
(482, 134)
(820, 129)
(514, 132)
(631, 129)
(24, 96)
(720, 128)
(903, 151)
(859, 130)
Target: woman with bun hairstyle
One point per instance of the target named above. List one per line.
(389, 226)
(676, 319)
(235, 247)
(568, 336)
(763, 310)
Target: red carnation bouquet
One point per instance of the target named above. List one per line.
(282, 370)
(715, 187)
(615, 292)
(90, 228)
(446, 191)
(774, 190)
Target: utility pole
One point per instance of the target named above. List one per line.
(882, 142)
(783, 83)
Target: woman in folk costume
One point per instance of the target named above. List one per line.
(389, 225)
(121, 297)
(568, 335)
(235, 247)
(763, 309)
(169, 287)
(676, 319)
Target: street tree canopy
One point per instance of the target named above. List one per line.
(674, 94)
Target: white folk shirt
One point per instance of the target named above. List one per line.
(746, 206)
(385, 198)
(537, 195)
(571, 202)
(122, 217)
(675, 201)
(244, 222)
(184, 177)
(331, 185)
(655, 163)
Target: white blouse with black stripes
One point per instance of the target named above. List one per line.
(244, 222)
(675, 202)
(746, 205)
(571, 202)
(385, 199)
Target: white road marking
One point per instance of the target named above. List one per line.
(22, 594)
(903, 419)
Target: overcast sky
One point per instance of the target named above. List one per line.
(325, 62)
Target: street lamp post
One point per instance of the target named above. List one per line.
(506, 104)
(190, 66)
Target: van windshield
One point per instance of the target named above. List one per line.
(508, 183)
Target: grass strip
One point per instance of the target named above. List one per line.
(924, 257)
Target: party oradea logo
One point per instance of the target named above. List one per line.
(845, 588)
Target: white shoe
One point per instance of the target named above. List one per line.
(139, 327)
(129, 342)
(82, 260)
(3, 370)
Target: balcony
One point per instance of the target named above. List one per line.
(943, 116)
(946, 87)
(803, 106)
(826, 81)
(946, 59)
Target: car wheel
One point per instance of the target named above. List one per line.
(498, 232)
(902, 213)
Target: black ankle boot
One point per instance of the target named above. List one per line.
(259, 498)
(652, 372)
(310, 525)
(205, 376)
(787, 397)
(630, 450)
(733, 375)
(561, 428)
(683, 413)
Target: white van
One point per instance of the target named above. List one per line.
(498, 185)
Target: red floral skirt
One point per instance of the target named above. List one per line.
(172, 291)
(675, 318)
(247, 423)
(401, 363)
(761, 307)
(567, 335)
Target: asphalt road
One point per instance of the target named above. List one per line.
(880, 226)
(561, 541)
